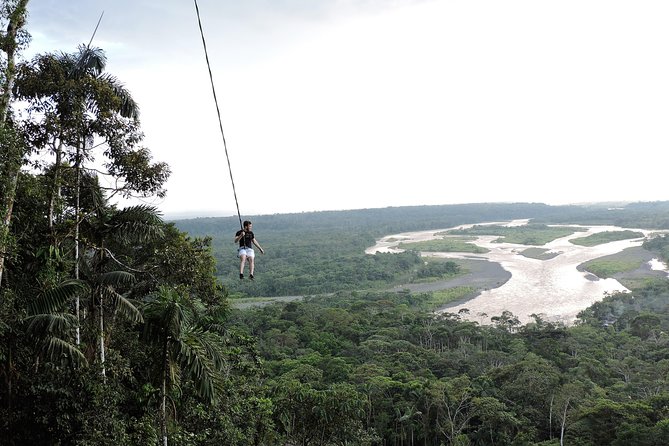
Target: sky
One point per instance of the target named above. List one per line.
(350, 104)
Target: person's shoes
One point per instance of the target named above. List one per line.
(251, 277)
(241, 276)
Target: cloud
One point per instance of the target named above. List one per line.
(346, 104)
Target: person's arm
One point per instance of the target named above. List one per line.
(255, 242)
(239, 236)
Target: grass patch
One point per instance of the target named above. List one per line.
(539, 253)
(605, 269)
(532, 234)
(606, 237)
(251, 302)
(447, 244)
(639, 282)
(443, 297)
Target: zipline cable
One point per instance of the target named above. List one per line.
(95, 30)
(218, 112)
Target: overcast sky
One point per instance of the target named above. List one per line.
(347, 104)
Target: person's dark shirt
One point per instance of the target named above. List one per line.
(247, 240)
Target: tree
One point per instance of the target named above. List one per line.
(527, 386)
(507, 321)
(51, 325)
(13, 151)
(108, 232)
(71, 103)
(184, 349)
(495, 424)
(307, 415)
(569, 397)
(453, 402)
(75, 107)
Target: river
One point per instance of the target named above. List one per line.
(554, 288)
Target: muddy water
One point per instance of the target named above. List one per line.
(553, 288)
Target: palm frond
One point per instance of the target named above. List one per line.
(164, 314)
(143, 212)
(202, 361)
(123, 306)
(174, 318)
(128, 107)
(90, 60)
(55, 299)
(56, 348)
(116, 279)
(137, 224)
(50, 330)
(60, 324)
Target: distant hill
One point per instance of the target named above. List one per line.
(651, 215)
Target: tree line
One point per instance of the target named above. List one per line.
(114, 328)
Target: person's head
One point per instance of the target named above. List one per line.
(247, 224)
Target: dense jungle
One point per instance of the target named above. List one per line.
(120, 328)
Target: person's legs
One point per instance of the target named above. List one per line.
(242, 261)
(250, 255)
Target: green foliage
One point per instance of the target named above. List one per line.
(350, 367)
(438, 269)
(530, 234)
(70, 101)
(54, 389)
(539, 253)
(606, 237)
(658, 244)
(445, 244)
(442, 297)
(608, 268)
(510, 377)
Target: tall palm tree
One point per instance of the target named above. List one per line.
(185, 349)
(107, 232)
(48, 326)
(51, 325)
(77, 100)
(103, 294)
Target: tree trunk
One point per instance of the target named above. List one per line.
(102, 341)
(9, 170)
(76, 238)
(55, 186)
(17, 19)
(564, 422)
(102, 319)
(163, 390)
(550, 419)
(9, 174)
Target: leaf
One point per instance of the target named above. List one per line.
(202, 361)
(53, 323)
(116, 279)
(57, 348)
(123, 306)
(55, 299)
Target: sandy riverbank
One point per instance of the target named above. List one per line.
(554, 288)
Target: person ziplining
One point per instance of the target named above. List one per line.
(247, 240)
(245, 235)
